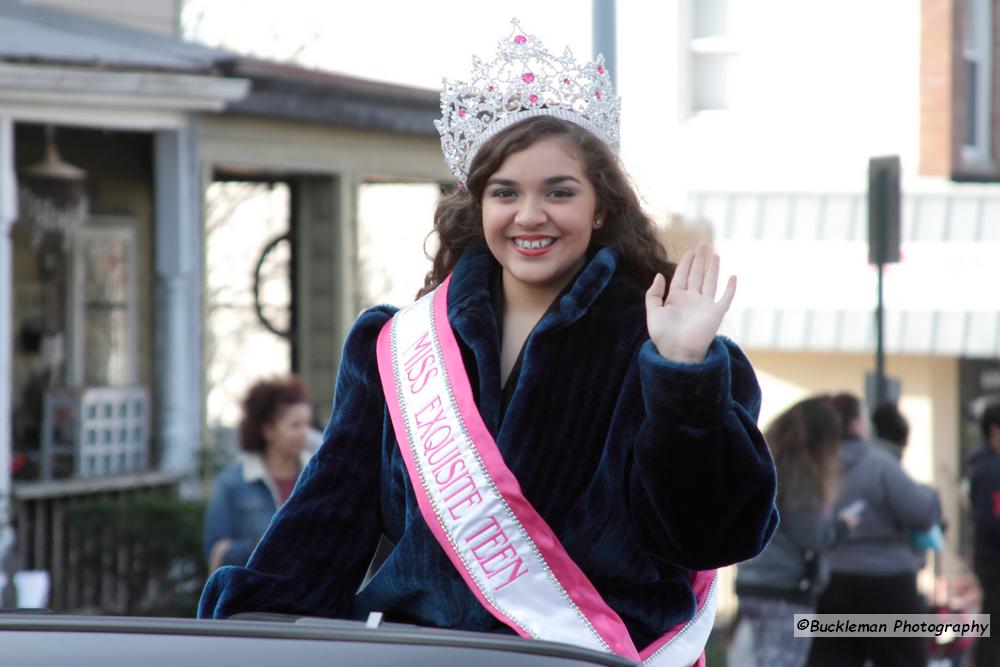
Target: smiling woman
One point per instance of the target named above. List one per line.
(539, 212)
(535, 435)
(578, 172)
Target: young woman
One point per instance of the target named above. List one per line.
(555, 444)
(787, 577)
(273, 433)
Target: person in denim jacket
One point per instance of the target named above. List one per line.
(272, 435)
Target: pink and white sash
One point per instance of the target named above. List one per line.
(506, 553)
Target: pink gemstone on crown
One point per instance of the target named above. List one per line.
(527, 77)
(489, 88)
(597, 94)
(533, 98)
(520, 39)
(461, 113)
(566, 81)
(600, 70)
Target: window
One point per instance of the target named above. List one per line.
(103, 320)
(976, 54)
(712, 54)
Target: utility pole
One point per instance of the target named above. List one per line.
(604, 36)
(883, 246)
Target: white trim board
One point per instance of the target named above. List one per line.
(88, 87)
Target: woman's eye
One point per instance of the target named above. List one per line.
(562, 192)
(502, 193)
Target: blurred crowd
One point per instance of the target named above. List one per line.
(855, 532)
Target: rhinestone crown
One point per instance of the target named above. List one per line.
(525, 80)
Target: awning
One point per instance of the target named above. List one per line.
(805, 283)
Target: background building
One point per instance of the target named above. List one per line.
(103, 359)
(759, 119)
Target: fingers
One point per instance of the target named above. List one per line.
(655, 293)
(696, 278)
(711, 277)
(727, 296)
(698, 271)
(680, 279)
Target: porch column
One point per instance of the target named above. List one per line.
(327, 294)
(8, 214)
(347, 251)
(178, 323)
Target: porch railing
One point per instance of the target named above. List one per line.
(90, 563)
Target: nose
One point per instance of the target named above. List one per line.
(530, 213)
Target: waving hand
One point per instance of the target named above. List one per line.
(683, 325)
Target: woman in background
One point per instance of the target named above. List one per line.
(272, 436)
(786, 578)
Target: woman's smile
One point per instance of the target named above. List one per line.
(538, 216)
(533, 244)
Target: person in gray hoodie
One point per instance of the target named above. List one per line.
(892, 432)
(874, 569)
(787, 576)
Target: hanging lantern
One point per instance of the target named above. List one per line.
(53, 195)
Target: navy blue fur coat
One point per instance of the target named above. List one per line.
(643, 467)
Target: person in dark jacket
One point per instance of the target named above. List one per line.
(984, 491)
(874, 568)
(273, 433)
(627, 424)
(786, 578)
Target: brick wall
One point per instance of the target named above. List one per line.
(938, 55)
(943, 87)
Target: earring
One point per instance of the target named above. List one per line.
(598, 223)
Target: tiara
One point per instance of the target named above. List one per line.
(524, 81)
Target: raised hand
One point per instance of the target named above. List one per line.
(683, 325)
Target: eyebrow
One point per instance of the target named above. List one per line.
(551, 180)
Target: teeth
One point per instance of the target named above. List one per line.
(533, 245)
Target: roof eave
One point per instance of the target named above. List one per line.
(128, 89)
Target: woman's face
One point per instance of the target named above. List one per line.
(538, 214)
(289, 431)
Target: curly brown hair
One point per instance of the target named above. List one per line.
(263, 404)
(458, 219)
